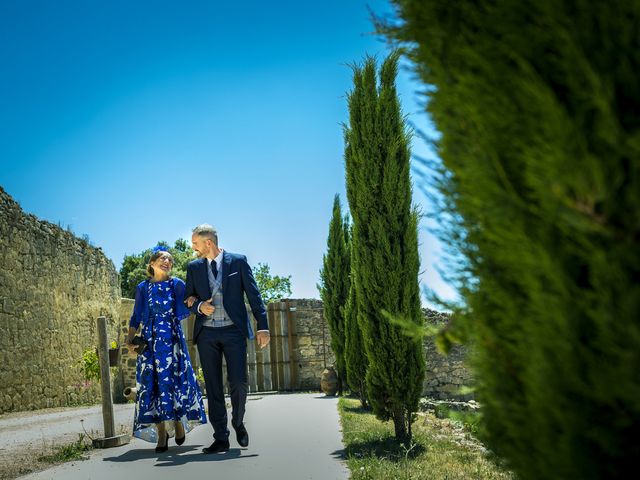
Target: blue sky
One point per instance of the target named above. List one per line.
(132, 122)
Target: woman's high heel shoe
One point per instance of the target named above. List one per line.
(180, 441)
(166, 445)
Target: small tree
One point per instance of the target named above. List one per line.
(272, 287)
(385, 257)
(335, 283)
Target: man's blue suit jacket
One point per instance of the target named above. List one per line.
(237, 280)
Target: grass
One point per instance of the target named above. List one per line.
(442, 449)
(15, 462)
(471, 421)
(68, 452)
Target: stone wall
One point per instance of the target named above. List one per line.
(127, 354)
(446, 375)
(313, 350)
(53, 286)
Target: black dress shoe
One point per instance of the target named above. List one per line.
(166, 446)
(180, 441)
(218, 446)
(242, 436)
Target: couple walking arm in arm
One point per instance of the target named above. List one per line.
(217, 282)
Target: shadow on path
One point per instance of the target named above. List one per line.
(176, 456)
(339, 454)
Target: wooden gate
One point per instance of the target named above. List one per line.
(274, 367)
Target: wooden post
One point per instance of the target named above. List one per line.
(105, 378)
(291, 332)
(274, 326)
(251, 365)
(259, 367)
(284, 347)
(110, 439)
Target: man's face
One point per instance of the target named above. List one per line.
(202, 246)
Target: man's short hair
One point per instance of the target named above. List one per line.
(207, 231)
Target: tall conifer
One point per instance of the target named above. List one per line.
(356, 360)
(384, 242)
(537, 104)
(335, 283)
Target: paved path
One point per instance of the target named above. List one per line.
(294, 436)
(62, 425)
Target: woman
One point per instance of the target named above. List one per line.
(166, 383)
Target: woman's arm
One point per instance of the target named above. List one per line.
(181, 311)
(136, 316)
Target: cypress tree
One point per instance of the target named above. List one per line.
(537, 104)
(355, 355)
(334, 285)
(384, 243)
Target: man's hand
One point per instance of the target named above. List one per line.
(263, 339)
(207, 308)
(190, 301)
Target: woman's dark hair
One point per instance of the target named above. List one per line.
(153, 258)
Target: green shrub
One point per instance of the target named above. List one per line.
(537, 105)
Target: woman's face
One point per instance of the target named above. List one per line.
(163, 263)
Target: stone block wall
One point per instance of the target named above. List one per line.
(127, 354)
(445, 375)
(53, 286)
(313, 350)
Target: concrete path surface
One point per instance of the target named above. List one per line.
(62, 425)
(292, 436)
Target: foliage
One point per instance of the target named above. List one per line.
(472, 421)
(355, 356)
(335, 283)
(438, 451)
(385, 242)
(272, 287)
(90, 364)
(200, 375)
(69, 452)
(537, 105)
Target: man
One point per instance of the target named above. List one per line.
(220, 280)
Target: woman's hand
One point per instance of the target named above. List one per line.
(131, 334)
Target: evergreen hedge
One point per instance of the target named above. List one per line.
(538, 103)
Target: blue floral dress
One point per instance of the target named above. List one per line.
(166, 383)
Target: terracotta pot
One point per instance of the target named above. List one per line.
(329, 381)
(114, 354)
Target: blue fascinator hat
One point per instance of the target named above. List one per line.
(159, 248)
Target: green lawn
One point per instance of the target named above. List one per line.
(442, 450)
